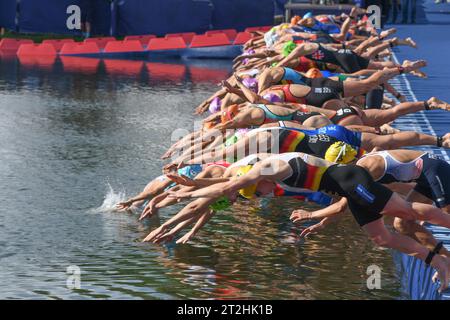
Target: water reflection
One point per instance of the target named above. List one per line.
(72, 126)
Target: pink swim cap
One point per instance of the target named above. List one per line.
(251, 83)
(214, 106)
(272, 97)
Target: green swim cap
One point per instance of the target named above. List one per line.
(222, 203)
(288, 48)
(231, 140)
(342, 77)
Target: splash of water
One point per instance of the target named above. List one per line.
(110, 200)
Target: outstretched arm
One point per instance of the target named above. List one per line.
(330, 211)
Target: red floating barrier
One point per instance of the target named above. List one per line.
(80, 64)
(199, 74)
(166, 43)
(219, 39)
(12, 45)
(262, 29)
(166, 71)
(45, 62)
(123, 67)
(33, 49)
(123, 46)
(144, 39)
(231, 33)
(266, 28)
(187, 36)
(242, 37)
(80, 48)
(101, 42)
(58, 43)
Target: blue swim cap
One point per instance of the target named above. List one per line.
(191, 171)
(308, 15)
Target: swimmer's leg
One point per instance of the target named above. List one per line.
(269, 77)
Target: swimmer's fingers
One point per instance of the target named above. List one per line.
(186, 238)
(311, 230)
(148, 211)
(300, 215)
(163, 238)
(124, 205)
(152, 235)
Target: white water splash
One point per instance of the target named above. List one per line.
(110, 201)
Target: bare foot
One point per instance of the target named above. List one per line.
(411, 43)
(419, 74)
(411, 66)
(436, 103)
(387, 33)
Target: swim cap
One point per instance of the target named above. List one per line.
(242, 131)
(308, 15)
(288, 48)
(251, 83)
(231, 140)
(272, 97)
(214, 106)
(208, 125)
(229, 113)
(323, 19)
(249, 191)
(314, 73)
(191, 171)
(340, 152)
(222, 203)
(295, 20)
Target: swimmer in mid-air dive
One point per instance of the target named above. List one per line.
(308, 113)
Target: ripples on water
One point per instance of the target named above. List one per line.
(77, 138)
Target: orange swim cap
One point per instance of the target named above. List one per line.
(314, 73)
(295, 20)
(229, 113)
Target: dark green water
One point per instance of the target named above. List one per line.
(69, 132)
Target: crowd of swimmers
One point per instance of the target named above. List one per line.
(306, 114)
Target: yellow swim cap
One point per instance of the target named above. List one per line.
(340, 152)
(249, 191)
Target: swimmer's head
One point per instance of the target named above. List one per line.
(209, 125)
(307, 22)
(295, 20)
(229, 113)
(242, 131)
(223, 203)
(314, 73)
(341, 152)
(307, 15)
(262, 188)
(247, 192)
(214, 106)
(288, 48)
(323, 19)
(272, 97)
(251, 83)
(191, 171)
